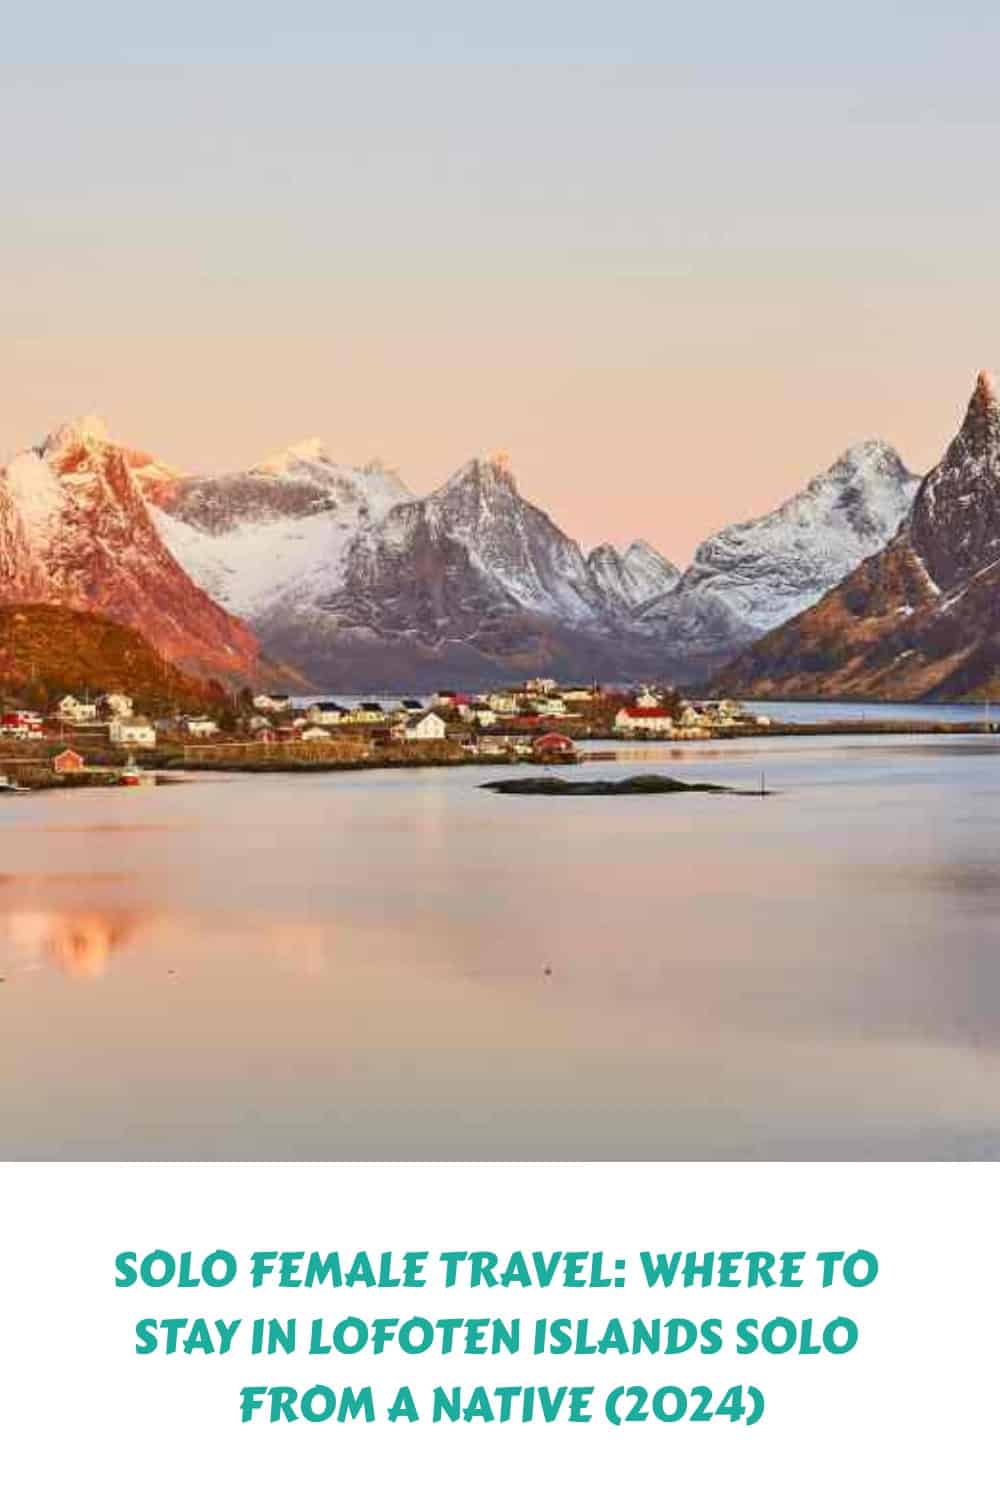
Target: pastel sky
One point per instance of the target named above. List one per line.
(672, 258)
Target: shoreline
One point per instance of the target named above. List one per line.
(167, 766)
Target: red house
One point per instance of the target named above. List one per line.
(553, 744)
(66, 762)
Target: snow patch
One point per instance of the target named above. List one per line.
(37, 495)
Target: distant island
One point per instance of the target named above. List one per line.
(629, 786)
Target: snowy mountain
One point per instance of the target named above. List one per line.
(631, 578)
(75, 530)
(473, 582)
(922, 617)
(282, 529)
(348, 574)
(749, 577)
(356, 581)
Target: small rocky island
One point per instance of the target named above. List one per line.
(629, 786)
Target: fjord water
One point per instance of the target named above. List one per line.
(399, 964)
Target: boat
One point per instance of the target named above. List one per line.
(133, 775)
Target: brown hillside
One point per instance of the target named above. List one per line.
(47, 650)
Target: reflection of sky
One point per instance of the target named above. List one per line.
(399, 964)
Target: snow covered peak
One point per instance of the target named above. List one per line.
(631, 578)
(986, 386)
(90, 431)
(307, 451)
(486, 474)
(499, 462)
(753, 575)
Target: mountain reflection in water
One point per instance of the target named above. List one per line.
(78, 943)
(391, 965)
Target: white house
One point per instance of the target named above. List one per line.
(503, 703)
(724, 710)
(636, 720)
(132, 731)
(647, 698)
(430, 727)
(200, 728)
(551, 706)
(116, 705)
(325, 713)
(485, 718)
(368, 713)
(272, 703)
(315, 732)
(75, 712)
(540, 685)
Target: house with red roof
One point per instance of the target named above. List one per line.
(553, 746)
(636, 719)
(67, 762)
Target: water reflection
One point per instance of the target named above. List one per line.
(400, 965)
(80, 944)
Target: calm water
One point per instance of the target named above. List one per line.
(400, 965)
(911, 713)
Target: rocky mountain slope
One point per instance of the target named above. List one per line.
(75, 530)
(631, 578)
(346, 573)
(356, 581)
(749, 577)
(47, 650)
(920, 619)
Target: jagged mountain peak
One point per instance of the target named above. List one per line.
(955, 527)
(307, 451)
(640, 549)
(85, 447)
(632, 576)
(870, 454)
(89, 431)
(488, 472)
(752, 575)
(986, 386)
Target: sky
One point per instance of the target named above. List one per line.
(672, 259)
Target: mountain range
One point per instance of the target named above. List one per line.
(351, 581)
(357, 581)
(921, 617)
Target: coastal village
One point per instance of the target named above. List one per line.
(103, 739)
